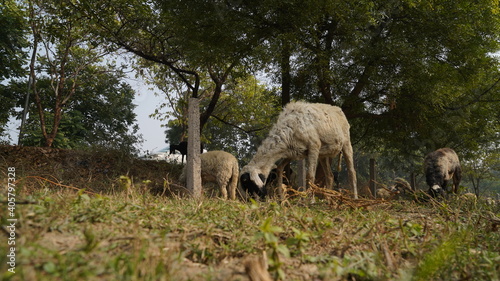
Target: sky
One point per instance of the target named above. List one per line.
(150, 128)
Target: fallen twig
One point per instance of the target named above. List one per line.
(62, 185)
(334, 197)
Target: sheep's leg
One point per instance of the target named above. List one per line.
(279, 171)
(233, 183)
(444, 187)
(325, 164)
(457, 176)
(312, 163)
(232, 189)
(349, 160)
(223, 189)
(223, 184)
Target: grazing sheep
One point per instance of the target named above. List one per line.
(401, 185)
(441, 166)
(386, 193)
(491, 202)
(219, 167)
(402, 188)
(314, 131)
(469, 198)
(182, 147)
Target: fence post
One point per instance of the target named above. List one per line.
(193, 163)
(373, 178)
(413, 181)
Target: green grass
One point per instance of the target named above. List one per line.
(66, 235)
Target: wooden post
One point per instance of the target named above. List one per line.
(301, 176)
(373, 178)
(413, 181)
(193, 169)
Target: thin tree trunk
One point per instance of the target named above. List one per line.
(286, 78)
(38, 101)
(31, 79)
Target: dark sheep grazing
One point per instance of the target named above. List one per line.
(182, 147)
(441, 166)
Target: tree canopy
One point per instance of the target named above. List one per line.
(100, 113)
(411, 76)
(75, 99)
(12, 39)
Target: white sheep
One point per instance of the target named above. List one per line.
(310, 131)
(219, 167)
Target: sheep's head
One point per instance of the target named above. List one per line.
(253, 183)
(436, 190)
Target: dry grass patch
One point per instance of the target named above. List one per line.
(129, 232)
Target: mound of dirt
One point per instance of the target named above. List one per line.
(96, 171)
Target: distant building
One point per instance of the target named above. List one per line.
(164, 155)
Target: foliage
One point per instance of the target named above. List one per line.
(12, 56)
(12, 39)
(66, 50)
(7, 104)
(482, 171)
(277, 251)
(174, 35)
(411, 76)
(242, 119)
(100, 114)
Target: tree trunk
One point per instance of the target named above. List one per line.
(219, 82)
(324, 84)
(32, 77)
(286, 78)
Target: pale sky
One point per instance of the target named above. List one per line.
(150, 128)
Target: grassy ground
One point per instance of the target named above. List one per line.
(131, 233)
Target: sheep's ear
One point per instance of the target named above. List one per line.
(257, 179)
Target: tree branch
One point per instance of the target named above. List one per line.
(238, 127)
(477, 98)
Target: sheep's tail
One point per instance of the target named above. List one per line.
(339, 162)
